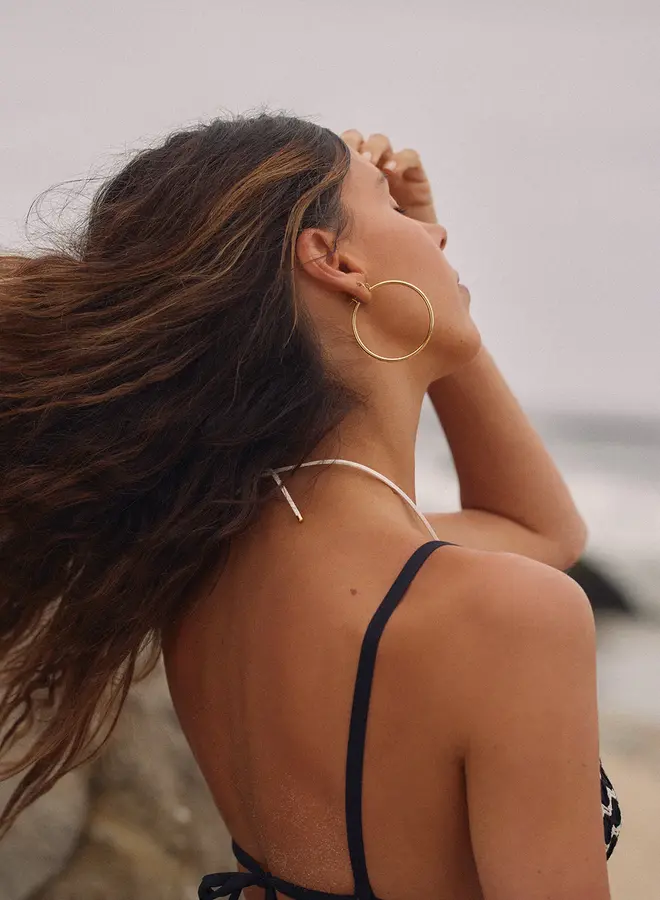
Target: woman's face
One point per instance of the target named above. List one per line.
(387, 244)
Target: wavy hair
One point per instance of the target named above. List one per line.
(150, 372)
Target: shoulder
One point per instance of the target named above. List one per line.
(486, 618)
(495, 592)
(518, 671)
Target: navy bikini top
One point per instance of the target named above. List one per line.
(223, 884)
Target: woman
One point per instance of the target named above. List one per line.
(208, 416)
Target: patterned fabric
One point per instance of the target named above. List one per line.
(611, 812)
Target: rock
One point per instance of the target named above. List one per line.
(149, 778)
(603, 593)
(153, 827)
(44, 836)
(118, 862)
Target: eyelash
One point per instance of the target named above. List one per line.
(399, 209)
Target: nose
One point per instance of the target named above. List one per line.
(440, 234)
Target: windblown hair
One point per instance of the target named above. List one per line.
(150, 373)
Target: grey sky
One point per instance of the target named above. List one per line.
(541, 132)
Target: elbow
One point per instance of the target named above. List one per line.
(571, 544)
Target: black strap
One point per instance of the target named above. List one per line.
(358, 727)
(224, 883)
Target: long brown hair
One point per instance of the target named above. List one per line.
(149, 374)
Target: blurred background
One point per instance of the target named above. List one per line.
(540, 129)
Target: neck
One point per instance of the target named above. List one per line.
(382, 436)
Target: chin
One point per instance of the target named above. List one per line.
(473, 341)
(470, 351)
(461, 350)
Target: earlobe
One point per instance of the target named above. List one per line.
(360, 289)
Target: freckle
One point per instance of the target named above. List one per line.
(353, 591)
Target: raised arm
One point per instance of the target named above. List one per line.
(513, 497)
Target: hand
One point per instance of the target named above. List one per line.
(408, 181)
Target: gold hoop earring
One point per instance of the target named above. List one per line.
(393, 358)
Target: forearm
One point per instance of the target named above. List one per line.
(502, 464)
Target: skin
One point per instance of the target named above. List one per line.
(481, 767)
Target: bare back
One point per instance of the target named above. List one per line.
(262, 674)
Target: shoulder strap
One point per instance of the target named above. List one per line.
(358, 725)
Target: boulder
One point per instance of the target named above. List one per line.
(45, 836)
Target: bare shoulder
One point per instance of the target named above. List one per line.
(482, 615)
(509, 647)
(495, 592)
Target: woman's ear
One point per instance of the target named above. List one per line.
(335, 270)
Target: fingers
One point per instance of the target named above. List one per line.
(380, 148)
(377, 146)
(353, 138)
(402, 164)
(407, 164)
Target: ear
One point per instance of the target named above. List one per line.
(334, 270)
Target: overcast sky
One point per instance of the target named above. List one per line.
(540, 130)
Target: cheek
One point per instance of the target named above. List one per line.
(403, 235)
(399, 247)
(411, 240)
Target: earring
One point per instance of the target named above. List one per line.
(393, 358)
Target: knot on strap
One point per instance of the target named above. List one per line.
(230, 884)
